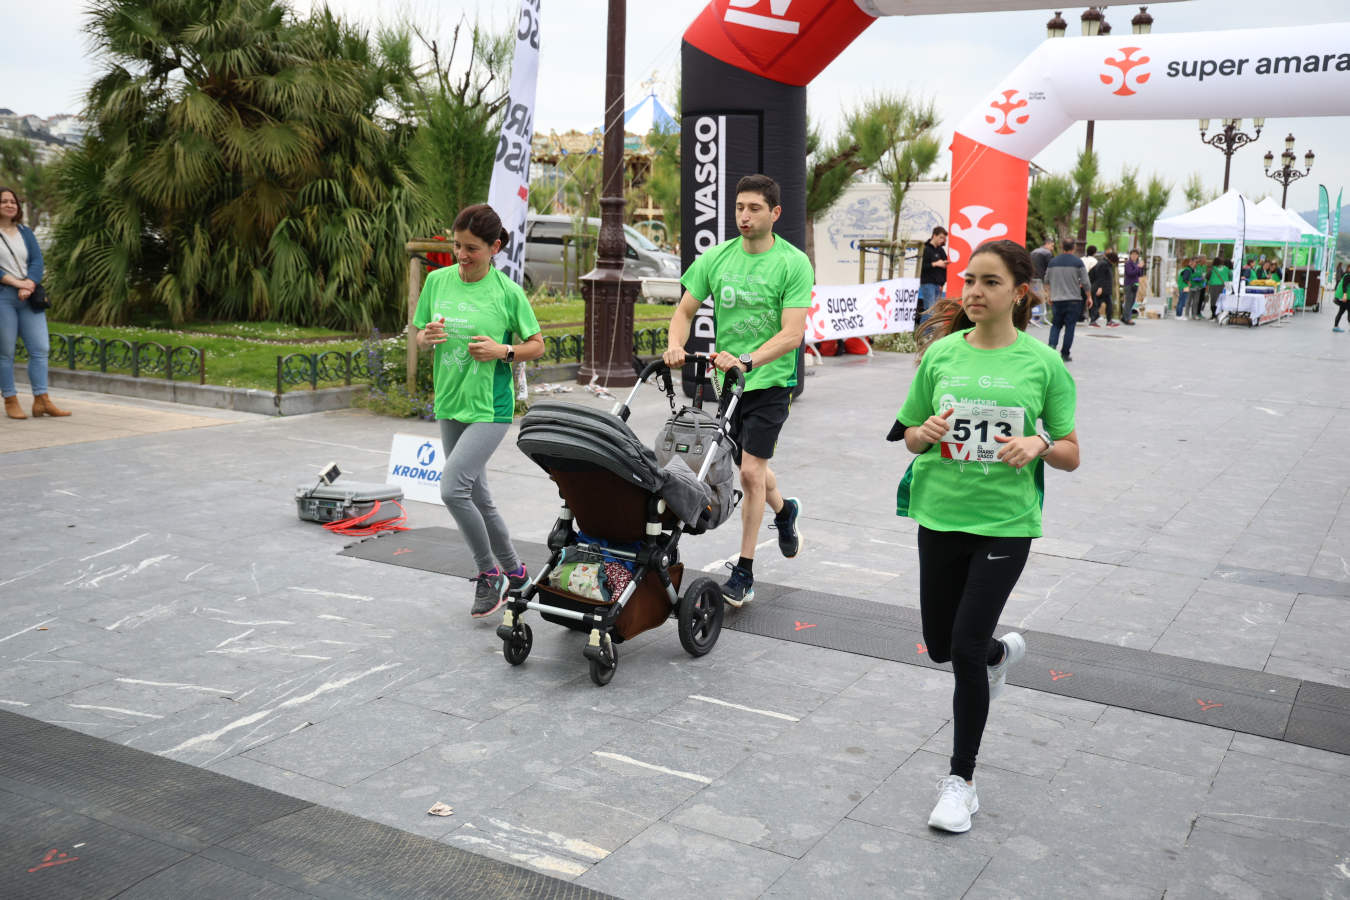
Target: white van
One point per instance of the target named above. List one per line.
(544, 252)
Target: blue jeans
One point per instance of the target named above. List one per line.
(928, 295)
(18, 320)
(1066, 314)
(1181, 303)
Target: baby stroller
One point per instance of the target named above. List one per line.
(614, 568)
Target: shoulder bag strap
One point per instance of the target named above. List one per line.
(14, 257)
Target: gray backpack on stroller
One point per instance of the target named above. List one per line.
(687, 437)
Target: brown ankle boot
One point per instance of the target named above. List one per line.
(13, 409)
(43, 406)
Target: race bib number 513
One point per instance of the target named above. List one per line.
(972, 429)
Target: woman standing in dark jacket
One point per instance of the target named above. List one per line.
(1102, 278)
(21, 272)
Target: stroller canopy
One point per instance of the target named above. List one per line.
(553, 431)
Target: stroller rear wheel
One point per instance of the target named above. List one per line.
(516, 648)
(603, 661)
(700, 615)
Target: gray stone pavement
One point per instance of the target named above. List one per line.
(159, 592)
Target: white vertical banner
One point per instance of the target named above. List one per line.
(510, 191)
(1239, 246)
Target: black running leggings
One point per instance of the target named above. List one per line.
(1344, 310)
(964, 580)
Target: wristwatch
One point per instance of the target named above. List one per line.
(1045, 436)
(510, 353)
(747, 361)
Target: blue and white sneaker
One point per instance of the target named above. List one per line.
(739, 588)
(785, 523)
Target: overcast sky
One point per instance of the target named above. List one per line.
(954, 59)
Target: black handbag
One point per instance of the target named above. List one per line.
(37, 301)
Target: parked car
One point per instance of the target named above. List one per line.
(544, 252)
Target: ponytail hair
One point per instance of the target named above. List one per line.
(949, 314)
(482, 222)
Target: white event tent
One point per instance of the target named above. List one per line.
(1219, 220)
(1269, 205)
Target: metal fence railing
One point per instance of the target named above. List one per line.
(561, 348)
(139, 359)
(332, 367)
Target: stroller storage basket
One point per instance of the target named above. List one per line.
(648, 607)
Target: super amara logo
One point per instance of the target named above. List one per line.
(1311, 64)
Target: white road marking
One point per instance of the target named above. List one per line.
(115, 549)
(175, 684)
(762, 712)
(324, 688)
(1264, 410)
(305, 590)
(116, 709)
(261, 622)
(14, 703)
(575, 846)
(235, 638)
(26, 630)
(826, 562)
(541, 862)
(195, 571)
(619, 757)
(714, 566)
(23, 575)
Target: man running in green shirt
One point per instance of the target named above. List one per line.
(761, 289)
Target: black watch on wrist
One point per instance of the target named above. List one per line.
(510, 353)
(747, 361)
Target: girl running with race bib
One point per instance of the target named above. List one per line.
(989, 408)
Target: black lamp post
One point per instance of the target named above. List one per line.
(1287, 174)
(1094, 23)
(608, 294)
(1229, 140)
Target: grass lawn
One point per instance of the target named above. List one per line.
(243, 354)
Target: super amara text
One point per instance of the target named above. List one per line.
(1266, 65)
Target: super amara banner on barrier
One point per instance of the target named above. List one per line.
(856, 310)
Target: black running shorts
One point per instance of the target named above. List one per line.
(758, 419)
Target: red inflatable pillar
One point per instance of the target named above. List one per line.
(988, 202)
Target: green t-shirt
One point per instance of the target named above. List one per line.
(957, 484)
(1184, 278)
(1199, 277)
(469, 390)
(1220, 275)
(750, 292)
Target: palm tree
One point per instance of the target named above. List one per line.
(240, 166)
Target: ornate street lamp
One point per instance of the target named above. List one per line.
(1056, 27)
(1287, 174)
(1094, 24)
(1142, 23)
(1229, 140)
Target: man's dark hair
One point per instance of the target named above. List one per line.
(1091, 250)
(763, 185)
(939, 230)
(1048, 240)
(1069, 245)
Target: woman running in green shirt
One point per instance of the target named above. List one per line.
(468, 312)
(977, 485)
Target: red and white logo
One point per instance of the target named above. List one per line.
(1129, 79)
(1006, 107)
(777, 21)
(815, 320)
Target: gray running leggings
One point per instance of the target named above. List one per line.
(464, 491)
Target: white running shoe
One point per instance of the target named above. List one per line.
(1014, 648)
(957, 802)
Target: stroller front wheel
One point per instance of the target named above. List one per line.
(516, 648)
(604, 662)
(700, 616)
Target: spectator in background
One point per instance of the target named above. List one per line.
(1134, 269)
(1040, 258)
(1342, 296)
(1199, 287)
(21, 271)
(1219, 274)
(1102, 278)
(1067, 283)
(1183, 287)
(933, 272)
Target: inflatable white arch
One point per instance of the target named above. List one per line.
(1272, 72)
